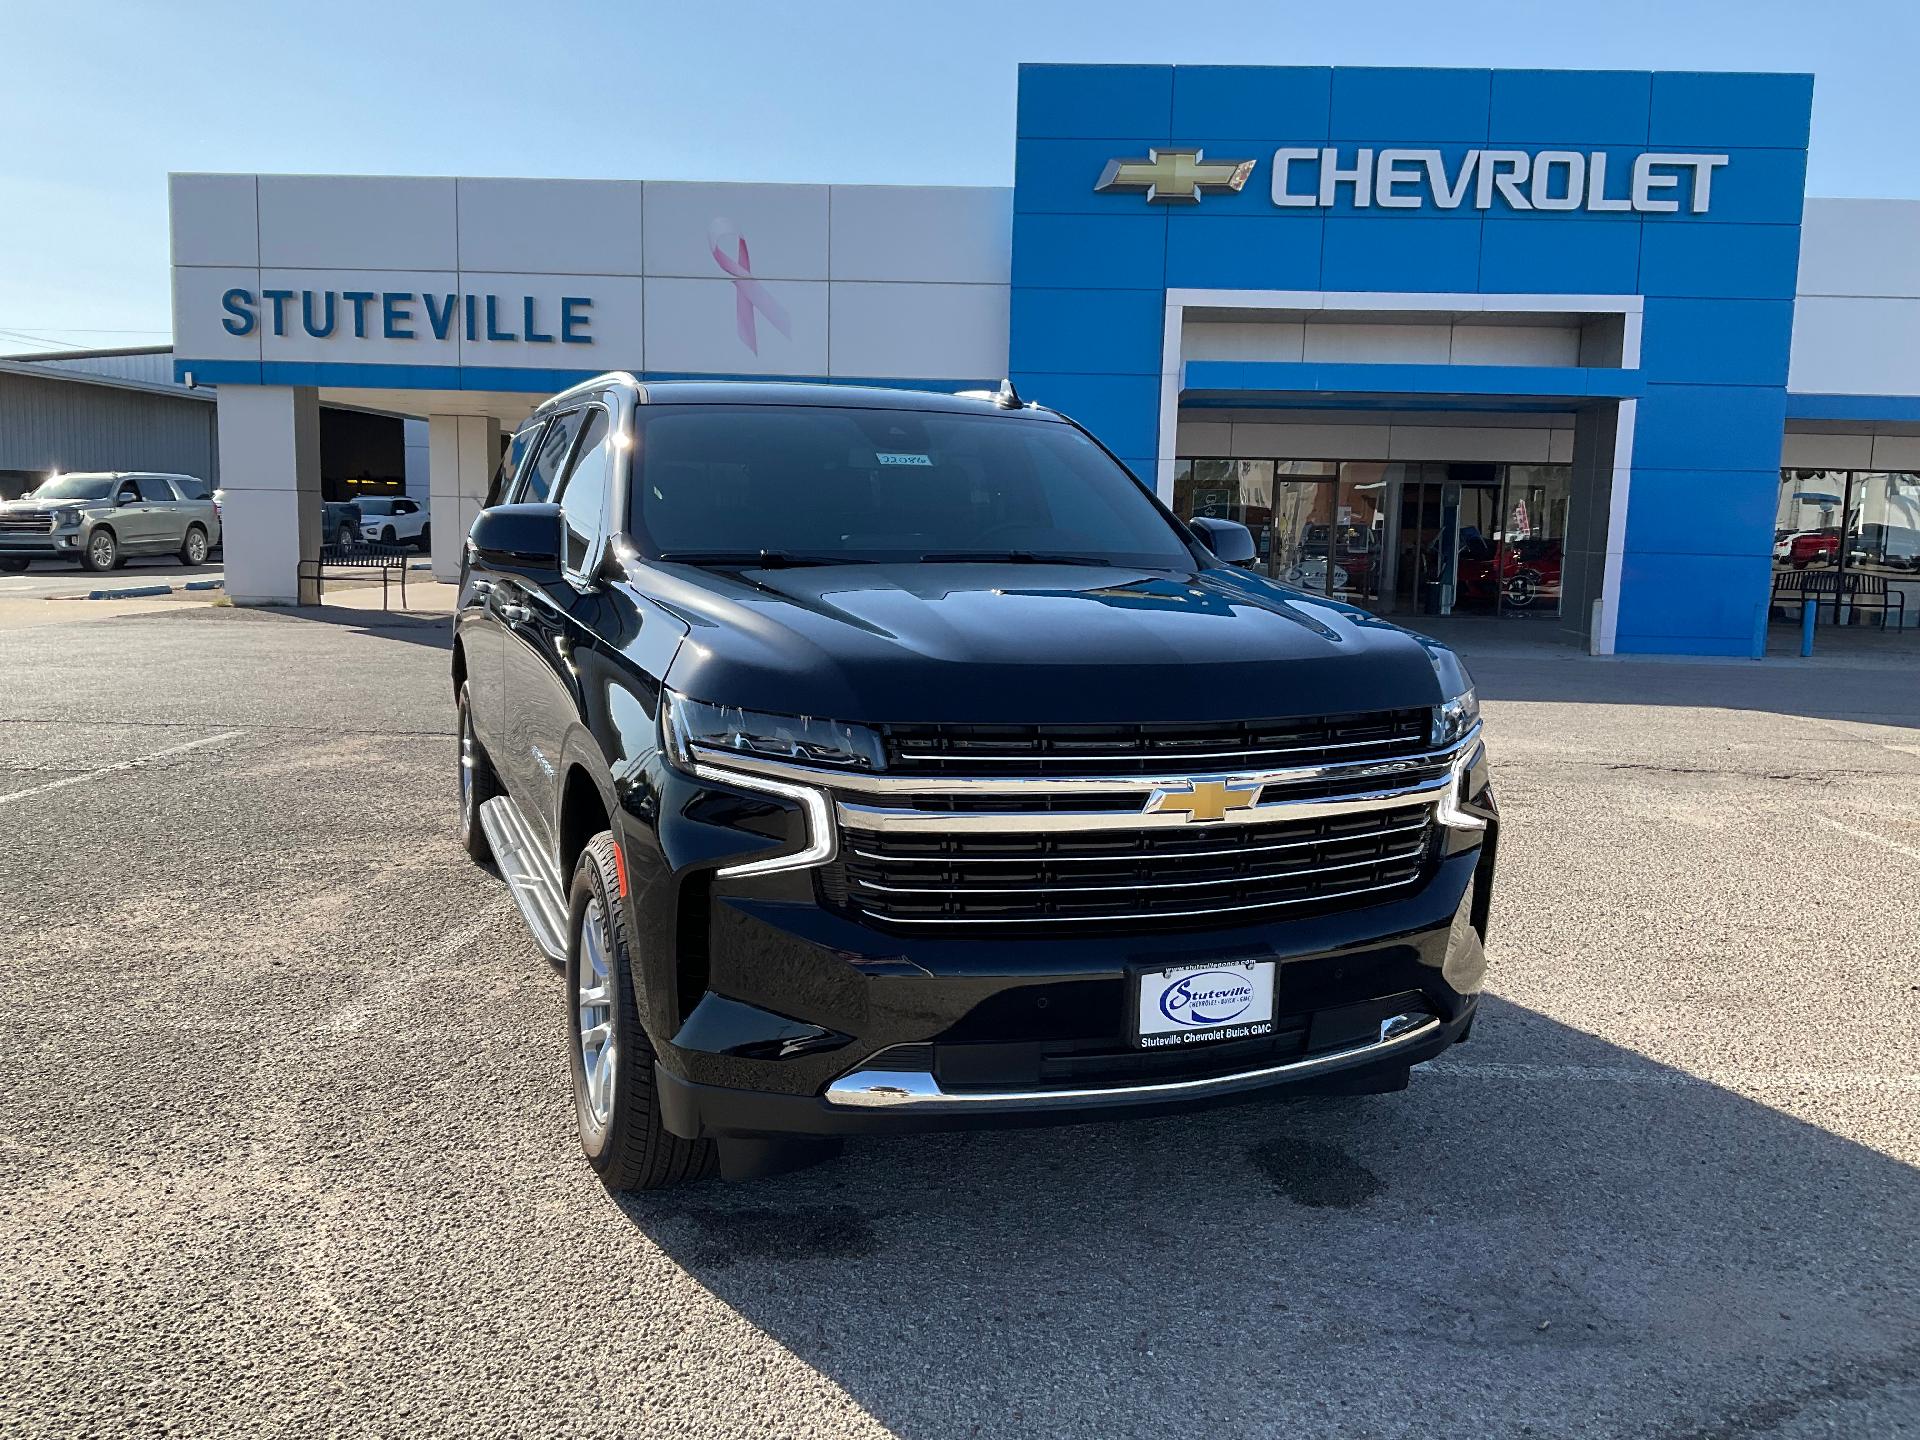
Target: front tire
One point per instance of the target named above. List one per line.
(12, 565)
(621, 1131)
(478, 783)
(102, 552)
(193, 549)
(387, 536)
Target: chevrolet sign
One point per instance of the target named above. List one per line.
(1654, 182)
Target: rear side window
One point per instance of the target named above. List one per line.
(583, 501)
(190, 489)
(538, 483)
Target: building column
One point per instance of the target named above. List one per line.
(462, 452)
(413, 435)
(270, 479)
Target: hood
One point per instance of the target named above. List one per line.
(1031, 644)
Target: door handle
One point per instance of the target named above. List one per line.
(514, 614)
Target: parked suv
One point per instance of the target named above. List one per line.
(394, 519)
(100, 518)
(876, 761)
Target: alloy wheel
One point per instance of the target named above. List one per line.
(593, 999)
(100, 547)
(196, 548)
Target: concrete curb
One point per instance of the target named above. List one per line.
(135, 592)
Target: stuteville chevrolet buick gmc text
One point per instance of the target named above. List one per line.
(878, 761)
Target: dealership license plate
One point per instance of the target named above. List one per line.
(1191, 1004)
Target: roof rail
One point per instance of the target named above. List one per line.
(624, 378)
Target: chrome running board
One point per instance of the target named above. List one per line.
(529, 875)
(918, 1091)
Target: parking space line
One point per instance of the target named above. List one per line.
(117, 766)
(1654, 1074)
(1859, 834)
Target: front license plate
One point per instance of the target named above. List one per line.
(1228, 1000)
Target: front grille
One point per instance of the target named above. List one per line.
(1032, 751)
(40, 523)
(1189, 875)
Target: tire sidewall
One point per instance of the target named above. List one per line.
(186, 546)
(590, 884)
(481, 785)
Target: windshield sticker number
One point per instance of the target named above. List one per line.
(892, 458)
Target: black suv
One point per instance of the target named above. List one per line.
(877, 760)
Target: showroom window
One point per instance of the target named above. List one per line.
(1850, 539)
(1397, 538)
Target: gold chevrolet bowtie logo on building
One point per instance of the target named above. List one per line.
(1205, 799)
(1174, 177)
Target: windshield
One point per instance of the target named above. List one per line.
(720, 484)
(75, 487)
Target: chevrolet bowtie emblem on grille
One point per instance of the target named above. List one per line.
(1174, 177)
(1205, 799)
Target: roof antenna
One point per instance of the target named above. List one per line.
(1006, 397)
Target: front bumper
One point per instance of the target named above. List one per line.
(880, 1103)
(776, 1013)
(41, 544)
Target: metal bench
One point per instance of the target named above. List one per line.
(1856, 589)
(348, 561)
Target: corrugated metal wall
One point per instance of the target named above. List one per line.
(64, 425)
(154, 367)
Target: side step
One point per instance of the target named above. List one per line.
(529, 875)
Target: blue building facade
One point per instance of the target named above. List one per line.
(1656, 214)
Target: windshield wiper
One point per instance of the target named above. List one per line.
(1015, 557)
(756, 559)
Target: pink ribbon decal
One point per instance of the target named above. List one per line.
(749, 294)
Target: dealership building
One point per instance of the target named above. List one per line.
(1565, 348)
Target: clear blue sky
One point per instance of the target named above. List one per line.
(103, 99)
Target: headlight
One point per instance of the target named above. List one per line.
(796, 739)
(1459, 709)
(65, 519)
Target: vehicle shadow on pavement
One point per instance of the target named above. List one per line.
(1547, 1234)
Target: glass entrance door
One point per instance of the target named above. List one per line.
(1397, 538)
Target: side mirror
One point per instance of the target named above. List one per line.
(517, 537)
(1228, 539)
(126, 497)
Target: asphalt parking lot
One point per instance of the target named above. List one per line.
(45, 580)
(286, 1147)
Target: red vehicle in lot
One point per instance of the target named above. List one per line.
(1807, 547)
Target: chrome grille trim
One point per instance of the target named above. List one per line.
(1110, 859)
(866, 783)
(987, 822)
